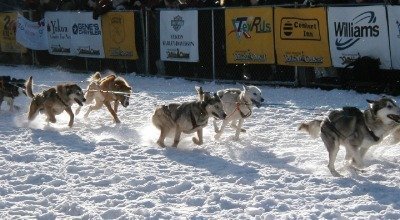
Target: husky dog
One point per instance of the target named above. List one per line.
(106, 90)
(357, 131)
(10, 88)
(238, 105)
(54, 101)
(187, 117)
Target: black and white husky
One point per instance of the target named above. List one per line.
(356, 130)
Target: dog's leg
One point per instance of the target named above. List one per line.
(51, 117)
(161, 139)
(238, 129)
(11, 104)
(234, 126)
(97, 106)
(332, 145)
(71, 116)
(108, 105)
(216, 129)
(33, 111)
(198, 141)
(116, 106)
(221, 130)
(177, 137)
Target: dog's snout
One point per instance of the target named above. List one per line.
(83, 100)
(224, 116)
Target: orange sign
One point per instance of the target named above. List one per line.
(8, 43)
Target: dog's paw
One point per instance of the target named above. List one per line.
(196, 141)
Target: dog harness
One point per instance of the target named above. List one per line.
(193, 118)
(331, 126)
(241, 113)
(62, 101)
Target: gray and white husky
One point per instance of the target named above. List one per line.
(187, 117)
(238, 105)
(356, 130)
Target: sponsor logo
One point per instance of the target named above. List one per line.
(302, 58)
(243, 26)
(59, 49)
(86, 29)
(249, 56)
(177, 23)
(349, 58)
(117, 32)
(300, 29)
(88, 51)
(118, 52)
(362, 26)
(176, 54)
(9, 27)
(55, 27)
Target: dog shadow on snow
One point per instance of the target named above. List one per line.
(70, 142)
(214, 164)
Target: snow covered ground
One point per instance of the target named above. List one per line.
(99, 170)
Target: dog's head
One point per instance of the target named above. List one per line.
(12, 87)
(253, 93)
(123, 91)
(385, 109)
(213, 106)
(74, 92)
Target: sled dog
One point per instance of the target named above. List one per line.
(187, 117)
(54, 101)
(106, 90)
(356, 130)
(238, 105)
(10, 88)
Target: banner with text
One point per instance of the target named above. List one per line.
(358, 31)
(8, 26)
(249, 35)
(59, 31)
(119, 35)
(394, 33)
(179, 36)
(301, 37)
(30, 34)
(86, 38)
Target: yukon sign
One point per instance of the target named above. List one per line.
(358, 31)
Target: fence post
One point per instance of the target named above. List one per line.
(213, 44)
(145, 26)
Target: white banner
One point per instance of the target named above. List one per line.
(179, 36)
(86, 38)
(394, 32)
(358, 31)
(59, 32)
(31, 34)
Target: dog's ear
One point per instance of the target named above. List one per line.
(199, 89)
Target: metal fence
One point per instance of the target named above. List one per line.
(212, 63)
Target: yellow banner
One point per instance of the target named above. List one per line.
(119, 35)
(8, 43)
(301, 37)
(249, 36)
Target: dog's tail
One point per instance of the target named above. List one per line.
(95, 77)
(313, 128)
(28, 86)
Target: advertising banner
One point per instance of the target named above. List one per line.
(301, 37)
(30, 34)
(249, 35)
(358, 31)
(86, 38)
(394, 34)
(8, 26)
(179, 36)
(59, 31)
(119, 35)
